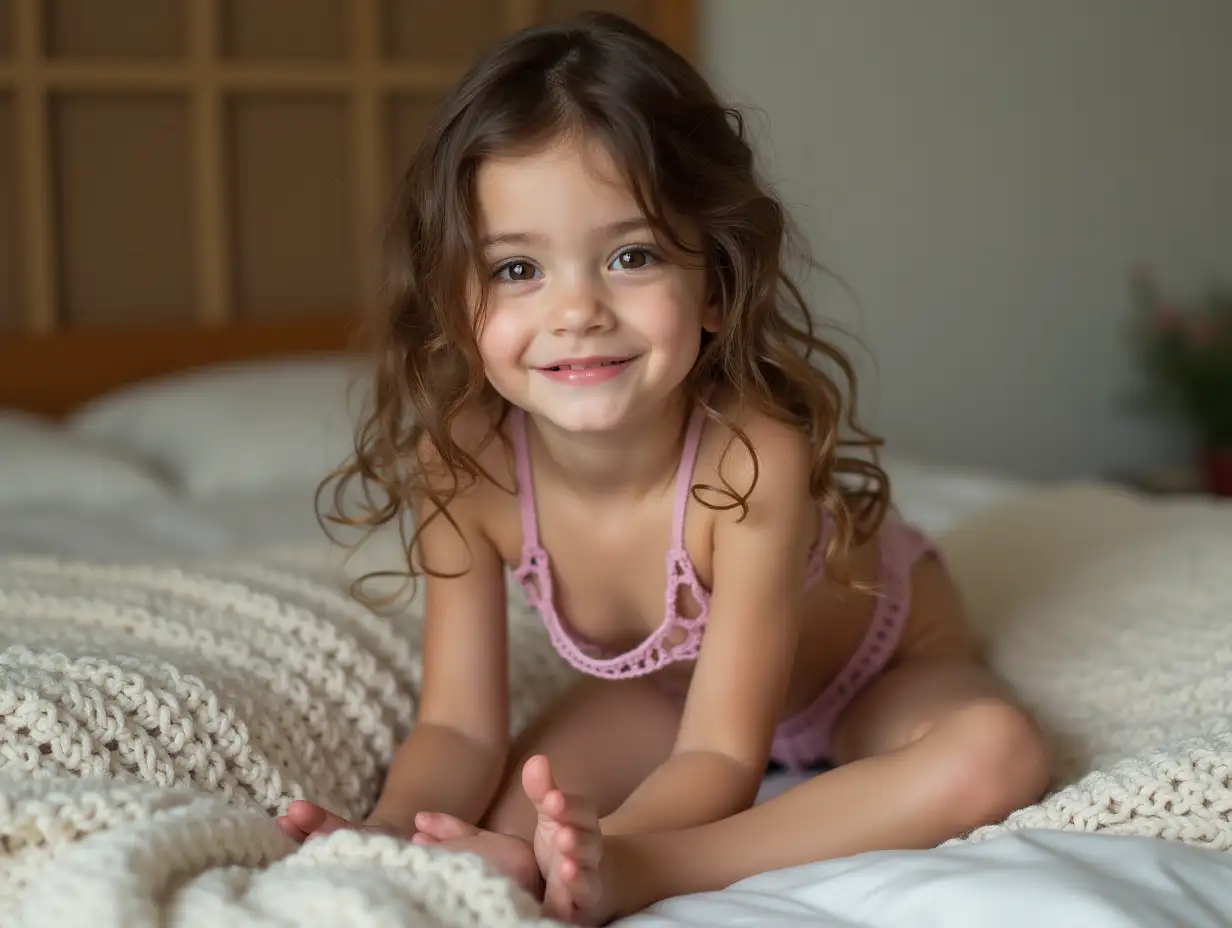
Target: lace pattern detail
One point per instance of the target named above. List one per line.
(534, 575)
(804, 738)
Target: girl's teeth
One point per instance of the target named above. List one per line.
(582, 367)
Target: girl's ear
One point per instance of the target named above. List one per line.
(712, 315)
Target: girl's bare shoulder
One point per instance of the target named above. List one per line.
(480, 463)
(749, 446)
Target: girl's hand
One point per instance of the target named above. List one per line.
(306, 820)
(568, 845)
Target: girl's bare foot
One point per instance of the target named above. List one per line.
(560, 865)
(568, 847)
(509, 854)
(306, 820)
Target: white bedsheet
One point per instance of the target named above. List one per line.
(1027, 879)
(163, 528)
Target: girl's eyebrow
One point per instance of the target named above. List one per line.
(620, 227)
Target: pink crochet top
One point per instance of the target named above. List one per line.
(666, 644)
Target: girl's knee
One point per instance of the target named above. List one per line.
(997, 761)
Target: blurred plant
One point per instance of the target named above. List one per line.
(1186, 351)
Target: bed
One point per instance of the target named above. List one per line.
(150, 535)
(189, 441)
(179, 655)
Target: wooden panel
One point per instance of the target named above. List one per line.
(674, 21)
(408, 120)
(121, 172)
(292, 198)
(430, 29)
(640, 11)
(116, 28)
(316, 122)
(10, 270)
(285, 28)
(6, 28)
(90, 363)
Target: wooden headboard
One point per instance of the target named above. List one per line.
(185, 182)
(54, 374)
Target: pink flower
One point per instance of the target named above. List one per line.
(1200, 331)
(1167, 317)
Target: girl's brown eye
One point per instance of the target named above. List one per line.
(516, 271)
(633, 259)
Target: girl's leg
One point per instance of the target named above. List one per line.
(600, 741)
(603, 739)
(934, 748)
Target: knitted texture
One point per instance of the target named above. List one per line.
(153, 720)
(1112, 617)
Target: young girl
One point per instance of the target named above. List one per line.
(595, 372)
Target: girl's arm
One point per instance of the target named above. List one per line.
(740, 682)
(454, 757)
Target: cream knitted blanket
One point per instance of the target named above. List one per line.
(153, 720)
(1112, 616)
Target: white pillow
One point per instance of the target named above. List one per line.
(243, 426)
(41, 463)
(936, 497)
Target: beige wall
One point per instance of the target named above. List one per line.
(982, 173)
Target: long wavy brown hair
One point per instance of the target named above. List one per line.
(685, 157)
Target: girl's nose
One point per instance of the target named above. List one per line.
(580, 309)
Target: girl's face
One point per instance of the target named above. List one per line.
(588, 322)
